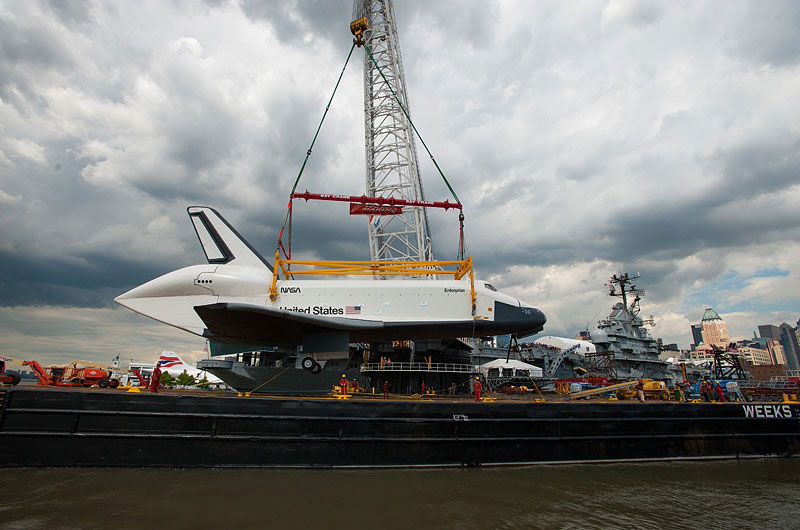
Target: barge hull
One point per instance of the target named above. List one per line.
(95, 428)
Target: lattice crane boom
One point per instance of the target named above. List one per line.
(391, 154)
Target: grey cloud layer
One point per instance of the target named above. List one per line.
(581, 136)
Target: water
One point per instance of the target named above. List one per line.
(720, 494)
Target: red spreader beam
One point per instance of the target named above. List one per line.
(381, 201)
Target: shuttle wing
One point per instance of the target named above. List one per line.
(229, 322)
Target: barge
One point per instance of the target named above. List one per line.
(66, 427)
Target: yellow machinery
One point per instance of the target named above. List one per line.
(357, 28)
(619, 387)
(652, 390)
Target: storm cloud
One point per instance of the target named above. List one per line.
(584, 138)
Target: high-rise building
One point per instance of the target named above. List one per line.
(775, 349)
(768, 331)
(697, 335)
(715, 332)
(791, 348)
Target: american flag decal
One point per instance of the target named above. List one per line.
(352, 310)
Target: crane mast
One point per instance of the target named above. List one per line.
(391, 154)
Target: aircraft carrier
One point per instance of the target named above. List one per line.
(623, 348)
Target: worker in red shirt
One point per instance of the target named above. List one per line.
(386, 389)
(477, 387)
(343, 385)
(720, 392)
(422, 391)
(155, 379)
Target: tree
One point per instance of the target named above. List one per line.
(185, 379)
(204, 384)
(166, 379)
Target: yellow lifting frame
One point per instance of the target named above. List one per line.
(364, 268)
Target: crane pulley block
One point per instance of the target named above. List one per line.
(357, 28)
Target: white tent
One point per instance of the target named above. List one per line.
(501, 364)
(584, 346)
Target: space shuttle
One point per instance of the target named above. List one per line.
(227, 300)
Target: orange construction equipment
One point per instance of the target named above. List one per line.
(7, 379)
(72, 376)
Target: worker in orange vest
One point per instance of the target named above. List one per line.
(477, 387)
(343, 385)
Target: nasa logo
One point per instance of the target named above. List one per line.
(293, 290)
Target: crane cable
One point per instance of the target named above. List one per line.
(288, 218)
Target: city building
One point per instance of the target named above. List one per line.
(775, 349)
(752, 351)
(715, 332)
(754, 355)
(697, 335)
(702, 353)
(791, 348)
(768, 331)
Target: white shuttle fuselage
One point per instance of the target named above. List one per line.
(228, 300)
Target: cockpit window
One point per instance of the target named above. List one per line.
(490, 287)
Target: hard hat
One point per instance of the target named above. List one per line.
(343, 375)
(476, 377)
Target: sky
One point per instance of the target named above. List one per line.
(584, 138)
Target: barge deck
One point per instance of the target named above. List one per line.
(57, 427)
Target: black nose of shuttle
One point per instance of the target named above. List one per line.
(520, 319)
(534, 321)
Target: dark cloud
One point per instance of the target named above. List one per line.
(580, 138)
(766, 165)
(32, 43)
(769, 33)
(29, 46)
(328, 19)
(84, 281)
(72, 13)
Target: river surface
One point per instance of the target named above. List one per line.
(762, 493)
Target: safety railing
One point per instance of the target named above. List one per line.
(419, 367)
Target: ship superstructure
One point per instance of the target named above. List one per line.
(624, 347)
(619, 348)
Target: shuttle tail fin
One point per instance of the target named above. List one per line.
(221, 242)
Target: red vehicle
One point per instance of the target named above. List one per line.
(7, 379)
(72, 376)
